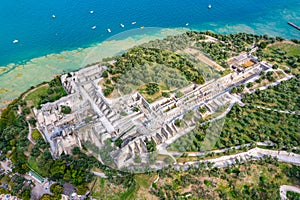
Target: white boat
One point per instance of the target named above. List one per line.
(142, 27)
(122, 25)
(187, 24)
(133, 22)
(108, 30)
(91, 11)
(15, 41)
(94, 27)
(209, 6)
(53, 16)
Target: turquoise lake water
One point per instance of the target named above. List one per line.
(39, 34)
(49, 46)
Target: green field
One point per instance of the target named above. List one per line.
(35, 95)
(291, 49)
(32, 163)
(140, 190)
(284, 54)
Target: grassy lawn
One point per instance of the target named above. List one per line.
(143, 180)
(32, 163)
(103, 189)
(282, 53)
(45, 93)
(129, 194)
(35, 95)
(141, 189)
(290, 48)
(151, 98)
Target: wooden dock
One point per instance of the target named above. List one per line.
(294, 25)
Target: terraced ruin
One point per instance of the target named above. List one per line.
(118, 131)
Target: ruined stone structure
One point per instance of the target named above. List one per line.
(95, 119)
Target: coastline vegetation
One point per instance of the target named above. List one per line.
(252, 180)
(44, 93)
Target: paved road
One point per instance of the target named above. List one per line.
(40, 188)
(38, 191)
(226, 149)
(284, 188)
(256, 153)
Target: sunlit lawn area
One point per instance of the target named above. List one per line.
(35, 95)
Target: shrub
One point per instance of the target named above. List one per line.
(56, 188)
(249, 85)
(66, 109)
(179, 123)
(35, 135)
(179, 94)
(165, 94)
(151, 146)
(105, 74)
(152, 88)
(81, 189)
(118, 142)
(275, 66)
(202, 109)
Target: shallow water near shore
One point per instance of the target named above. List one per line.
(18, 78)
